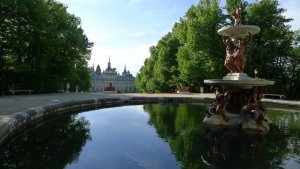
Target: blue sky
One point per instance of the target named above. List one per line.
(125, 29)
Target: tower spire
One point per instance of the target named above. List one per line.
(109, 64)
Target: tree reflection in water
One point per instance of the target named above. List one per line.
(199, 147)
(52, 145)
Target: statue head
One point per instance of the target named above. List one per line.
(237, 16)
(228, 41)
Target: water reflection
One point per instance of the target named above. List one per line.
(199, 147)
(174, 137)
(51, 145)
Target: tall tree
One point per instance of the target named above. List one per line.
(269, 51)
(201, 50)
(144, 80)
(232, 5)
(274, 52)
(293, 69)
(40, 39)
(165, 68)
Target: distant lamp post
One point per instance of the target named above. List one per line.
(255, 72)
(64, 83)
(2, 92)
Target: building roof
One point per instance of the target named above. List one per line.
(109, 71)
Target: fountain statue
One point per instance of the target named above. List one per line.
(110, 89)
(238, 97)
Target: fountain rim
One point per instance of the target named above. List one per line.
(239, 30)
(15, 123)
(248, 83)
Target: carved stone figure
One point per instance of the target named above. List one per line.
(237, 16)
(254, 106)
(222, 99)
(239, 55)
(219, 106)
(235, 55)
(229, 60)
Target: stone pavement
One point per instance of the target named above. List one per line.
(13, 104)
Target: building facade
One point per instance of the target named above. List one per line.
(122, 83)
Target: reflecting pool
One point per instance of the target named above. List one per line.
(152, 136)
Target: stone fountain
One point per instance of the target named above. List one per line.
(238, 97)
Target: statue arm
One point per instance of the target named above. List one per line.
(249, 37)
(224, 41)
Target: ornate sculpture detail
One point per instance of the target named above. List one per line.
(239, 54)
(236, 48)
(237, 16)
(110, 87)
(229, 60)
(249, 102)
(235, 55)
(254, 106)
(219, 107)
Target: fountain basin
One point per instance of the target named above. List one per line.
(239, 31)
(236, 120)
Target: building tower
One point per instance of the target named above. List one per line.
(109, 64)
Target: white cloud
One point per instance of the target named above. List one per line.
(97, 36)
(134, 1)
(124, 30)
(133, 57)
(292, 7)
(138, 34)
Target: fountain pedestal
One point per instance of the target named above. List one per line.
(236, 76)
(238, 103)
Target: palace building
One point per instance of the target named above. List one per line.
(111, 80)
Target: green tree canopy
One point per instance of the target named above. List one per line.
(270, 50)
(200, 52)
(159, 72)
(41, 39)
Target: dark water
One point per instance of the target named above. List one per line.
(152, 136)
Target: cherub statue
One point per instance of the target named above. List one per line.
(254, 106)
(239, 55)
(219, 107)
(229, 64)
(237, 16)
(222, 98)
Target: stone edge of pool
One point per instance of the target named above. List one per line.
(12, 124)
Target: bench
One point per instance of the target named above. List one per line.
(280, 96)
(183, 89)
(20, 91)
(60, 91)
